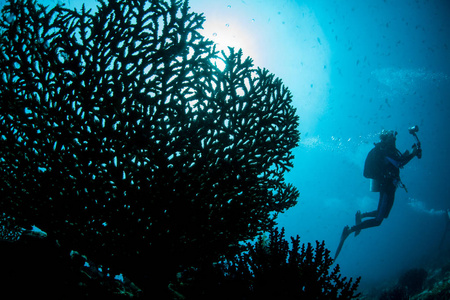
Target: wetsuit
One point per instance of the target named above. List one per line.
(383, 164)
(390, 161)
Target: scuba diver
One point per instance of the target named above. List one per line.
(382, 166)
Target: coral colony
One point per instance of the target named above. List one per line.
(127, 137)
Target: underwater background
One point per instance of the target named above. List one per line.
(355, 68)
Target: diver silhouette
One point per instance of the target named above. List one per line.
(382, 166)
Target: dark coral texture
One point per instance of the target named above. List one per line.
(126, 136)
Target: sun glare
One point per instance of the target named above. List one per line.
(230, 31)
(283, 36)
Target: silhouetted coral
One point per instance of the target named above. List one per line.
(127, 137)
(270, 269)
(40, 267)
(9, 232)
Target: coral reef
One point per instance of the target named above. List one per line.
(9, 232)
(126, 136)
(437, 284)
(270, 269)
(413, 280)
(420, 284)
(40, 267)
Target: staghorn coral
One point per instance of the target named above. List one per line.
(8, 231)
(121, 138)
(300, 271)
(270, 269)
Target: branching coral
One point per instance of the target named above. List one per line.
(121, 138)
(8, 231)
(270, 269)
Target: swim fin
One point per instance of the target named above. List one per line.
(345, 234)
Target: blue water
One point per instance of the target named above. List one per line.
(355, 68)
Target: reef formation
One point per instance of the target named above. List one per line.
(127, 137)
(270, 269)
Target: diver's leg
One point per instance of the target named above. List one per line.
(357, 229)
(359, 216)
(377, 216)
(358, 220)
(371, 214)
(366, 224)
(390, 188)
(381, 199)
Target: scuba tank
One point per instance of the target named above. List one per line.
(374, 185)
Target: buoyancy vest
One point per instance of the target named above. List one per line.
(379, 163)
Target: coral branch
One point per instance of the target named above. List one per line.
(121, 137)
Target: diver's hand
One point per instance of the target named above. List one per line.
(416, 151)
(419, 153)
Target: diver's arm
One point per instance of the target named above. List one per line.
(407, 156)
